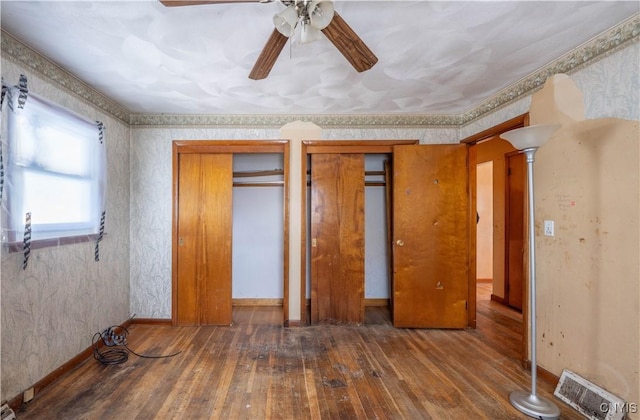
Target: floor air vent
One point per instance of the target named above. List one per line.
(589, 399)
(6, 413)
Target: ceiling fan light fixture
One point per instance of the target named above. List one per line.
(320, 13)
(286, 21)
(308, 33)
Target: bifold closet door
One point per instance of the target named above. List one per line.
(205, 183)
(337, 238)
(430, 236)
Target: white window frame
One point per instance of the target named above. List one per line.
(62, 149)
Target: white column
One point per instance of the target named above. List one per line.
(296, 132)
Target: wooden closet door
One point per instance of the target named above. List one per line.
(205, 183)
(337, 238)
(515, 221)
(431, 236)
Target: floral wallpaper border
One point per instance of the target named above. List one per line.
(25, 56)
(609, 42)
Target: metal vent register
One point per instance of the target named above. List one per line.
(591, 400)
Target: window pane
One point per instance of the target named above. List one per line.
(48, 143)
(56, 199)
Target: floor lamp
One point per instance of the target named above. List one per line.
(527, 140)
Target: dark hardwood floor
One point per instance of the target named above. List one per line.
(257, 369)
(499, 325)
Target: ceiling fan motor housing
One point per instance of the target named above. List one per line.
(314, 15)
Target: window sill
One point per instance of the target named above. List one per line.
(44, 243)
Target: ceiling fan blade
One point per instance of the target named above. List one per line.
(349, 44)
(268, 56)
(177, 3)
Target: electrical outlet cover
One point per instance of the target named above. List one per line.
(28, 395)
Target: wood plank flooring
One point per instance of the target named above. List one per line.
(256, 369)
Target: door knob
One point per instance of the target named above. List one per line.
(400, 242)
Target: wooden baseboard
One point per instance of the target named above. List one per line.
(497, 299)
(376, 302)
(543, 374)
(16, 402)
(256, 302)
(152, 321)
(293, 323)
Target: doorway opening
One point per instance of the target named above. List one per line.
(374, 238)
(501, 281)
(363, 196)
(229, 223)
(258, 237)
(484, 225)
(377, 245)
(496, 314)
(429, 240)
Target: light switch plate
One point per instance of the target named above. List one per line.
(548, 228)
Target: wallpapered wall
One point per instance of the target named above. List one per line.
(51, 310)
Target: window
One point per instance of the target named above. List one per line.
(55, 172)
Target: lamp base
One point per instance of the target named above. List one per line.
(534, 406)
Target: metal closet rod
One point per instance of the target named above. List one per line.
(366, 173)
(268, 172)
(272, 172)
(252, 174)
(242, 174)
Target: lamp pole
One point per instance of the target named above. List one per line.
(527, 140)
(530, 403)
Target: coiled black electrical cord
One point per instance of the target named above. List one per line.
(107, 357)
(120, 354)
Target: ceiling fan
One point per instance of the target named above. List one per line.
(313, 16)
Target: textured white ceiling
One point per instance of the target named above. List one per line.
(435, 57)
